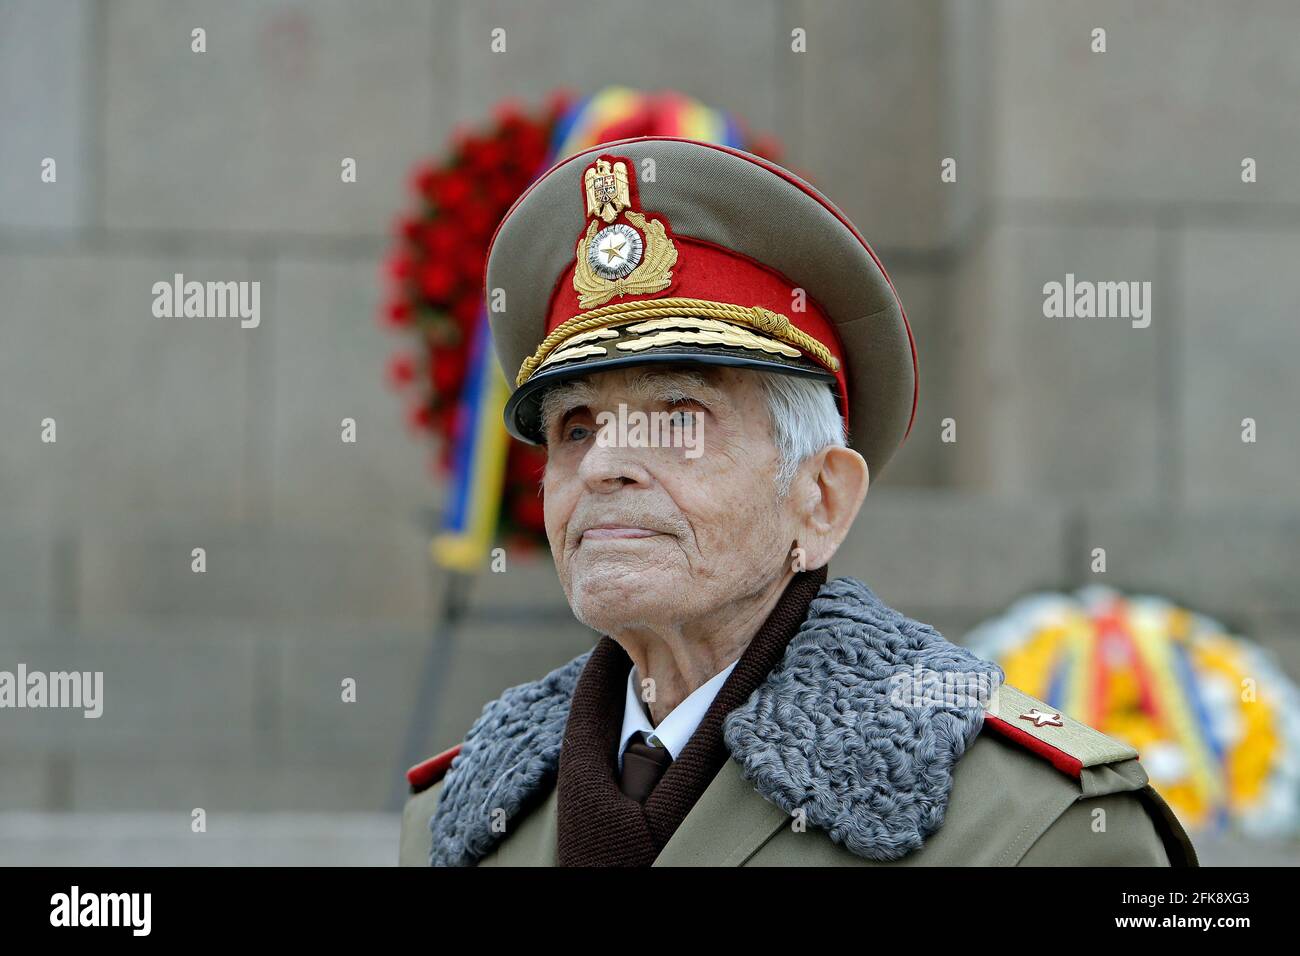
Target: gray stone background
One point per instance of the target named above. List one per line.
(223, 688)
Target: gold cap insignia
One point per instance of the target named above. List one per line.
(607, 189)
(632, 256)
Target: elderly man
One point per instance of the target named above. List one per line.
(717, 376)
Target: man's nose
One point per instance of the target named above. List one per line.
(608, 467)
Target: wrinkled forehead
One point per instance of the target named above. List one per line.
(708, 385)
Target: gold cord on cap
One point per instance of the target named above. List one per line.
(755, 317)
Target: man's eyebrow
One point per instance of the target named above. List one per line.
(669, 387)
(562, 399)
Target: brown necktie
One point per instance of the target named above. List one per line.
(643, 765)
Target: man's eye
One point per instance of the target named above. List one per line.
(682, 418)
(576, 433)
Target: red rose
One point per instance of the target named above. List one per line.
(470, 265)
(423, 179)
(447, 371)
(502, 193)
(479, 219)
(529, 153)
(440, 238)
(407, 227)
(489, 156)
(401, 369)
(465, 310)
(452, 190)
(437, 279)
(398, 266)
(397, 313)
(471, 153)
(420, 416)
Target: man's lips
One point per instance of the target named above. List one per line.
(607, 532)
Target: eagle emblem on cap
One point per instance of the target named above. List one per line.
(607, 190)
(630, 255)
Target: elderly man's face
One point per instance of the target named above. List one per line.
(658, 536)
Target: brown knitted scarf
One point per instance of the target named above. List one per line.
(598, 825)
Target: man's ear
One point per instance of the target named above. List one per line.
(840, 477)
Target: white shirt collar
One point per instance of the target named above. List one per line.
(676, 729)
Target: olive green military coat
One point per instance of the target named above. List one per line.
(1008, 807)
(830, 766)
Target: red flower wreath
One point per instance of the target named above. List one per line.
(435, 275)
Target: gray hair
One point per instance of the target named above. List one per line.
(804, 421)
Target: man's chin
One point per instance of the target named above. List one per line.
(610, 598)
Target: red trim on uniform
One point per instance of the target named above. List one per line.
(1062, 761)
(424, 775)
(784, 174)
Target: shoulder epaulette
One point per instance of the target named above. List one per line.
(1067, 744)
(426, 773)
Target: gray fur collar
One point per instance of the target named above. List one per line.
(841, 729)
